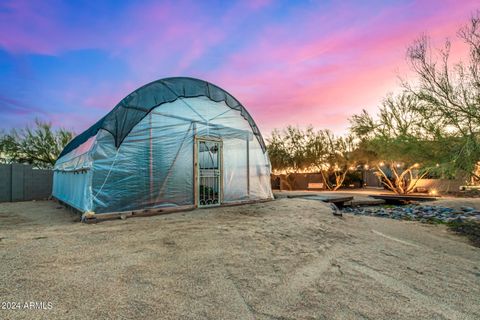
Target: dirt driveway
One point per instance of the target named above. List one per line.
(286, 259)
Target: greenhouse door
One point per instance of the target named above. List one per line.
(209, 172)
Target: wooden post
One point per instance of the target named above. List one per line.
(248, 165)
(220, 198)
(151, 160)
(195, 166)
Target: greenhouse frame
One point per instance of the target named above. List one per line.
(173, 143)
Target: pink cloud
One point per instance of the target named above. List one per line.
(19, 22)
(258, 4)
(17, 107)
(154, 33)
(324, 78)
(37, 27)
(317, 65)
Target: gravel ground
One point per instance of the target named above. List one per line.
(285, 259)
(418, 212)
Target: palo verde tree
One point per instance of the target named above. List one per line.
(294, 150)
(39, 146)
(277, 152)
(332, 156)
(449, 95)
(286, 150)
(402, 147)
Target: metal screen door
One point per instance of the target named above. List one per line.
(209, 172)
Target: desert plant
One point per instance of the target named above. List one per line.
(286, 150)
(401, 147)
(330, 155)
(449, 95)
(39, 146)
(293, 150)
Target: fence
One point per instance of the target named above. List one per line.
(20, 182)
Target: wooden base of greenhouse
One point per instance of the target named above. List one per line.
(94, 218)
(153, 212)
(134, 213)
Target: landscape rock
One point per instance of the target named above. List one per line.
(418, 212)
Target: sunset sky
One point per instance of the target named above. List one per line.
(287, 62)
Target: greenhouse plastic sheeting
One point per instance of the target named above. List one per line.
(154, 165)
(73, 188)
(133, 108)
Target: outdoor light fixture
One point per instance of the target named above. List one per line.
(381, 164)
(433, 192)
(366, 166)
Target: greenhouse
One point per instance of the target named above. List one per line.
(172, 143)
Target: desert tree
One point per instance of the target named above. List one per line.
(286, 149)
(449, 94)
(401, 145)
(294, 150)
(330, 155)
(277, 151)
(39, 146)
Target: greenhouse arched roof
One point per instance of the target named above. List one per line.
(138, 104)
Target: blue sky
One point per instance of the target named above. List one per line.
(298, 62)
